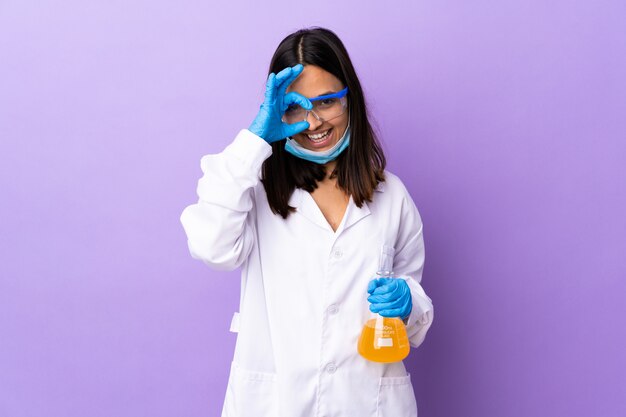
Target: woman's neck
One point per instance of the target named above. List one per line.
(330, 167)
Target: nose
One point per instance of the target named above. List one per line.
(313, 122)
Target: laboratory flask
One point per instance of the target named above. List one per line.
(384, 339)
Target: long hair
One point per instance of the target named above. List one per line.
(360, 167)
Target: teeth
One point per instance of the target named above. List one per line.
(319, 136)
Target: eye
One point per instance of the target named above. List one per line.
(327, 102)
(292, 108)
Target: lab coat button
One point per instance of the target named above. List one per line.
(333, 309)
(337, 253)
(331, 367)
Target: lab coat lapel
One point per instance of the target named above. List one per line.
(353, 215)
(307, 207)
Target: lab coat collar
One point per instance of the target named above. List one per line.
(307, 207)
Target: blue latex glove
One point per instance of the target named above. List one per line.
(268, 123)
(390, 297)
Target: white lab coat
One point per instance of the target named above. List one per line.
(304, 290)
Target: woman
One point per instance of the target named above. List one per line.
(302, 202)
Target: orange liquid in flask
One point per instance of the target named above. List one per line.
(384, 339)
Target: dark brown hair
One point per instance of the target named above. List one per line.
(361, 166)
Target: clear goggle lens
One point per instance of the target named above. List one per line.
(324, 109)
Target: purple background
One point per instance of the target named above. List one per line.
(506, 120)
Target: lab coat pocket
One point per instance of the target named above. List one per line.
(250, 394)
(396, 397)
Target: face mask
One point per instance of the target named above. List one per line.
(319, 157)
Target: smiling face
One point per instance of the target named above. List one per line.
(314, 82)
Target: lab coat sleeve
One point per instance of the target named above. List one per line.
(409, 264)
(220, 226)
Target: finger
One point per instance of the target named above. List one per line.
(392, 303)
(290, 72)
(387, 288)
(285, 74)
(289, 78)
(297, 98)
(382, 298)
(293, 129)
(401, 292)
(386, 307)
(269, 88)
(376, 283)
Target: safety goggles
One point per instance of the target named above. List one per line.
(325, 108)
